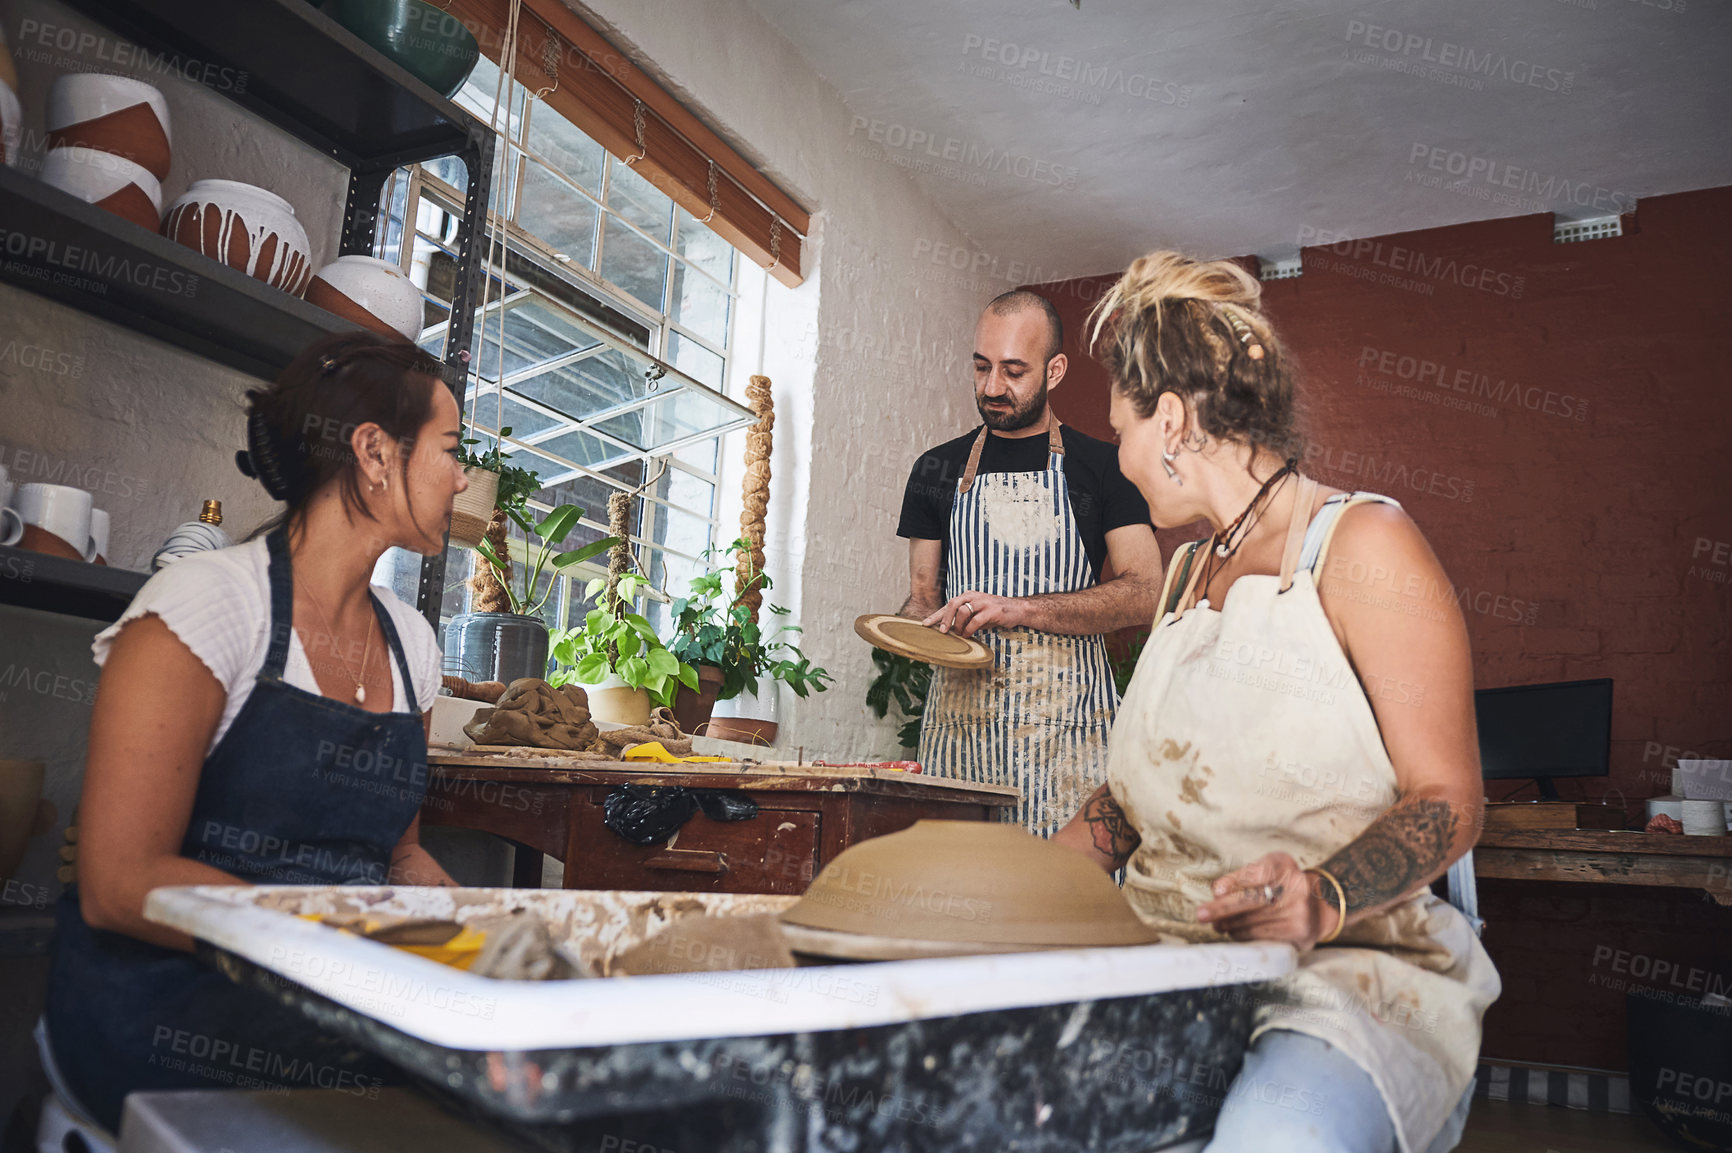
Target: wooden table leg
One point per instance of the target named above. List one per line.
(526, 866)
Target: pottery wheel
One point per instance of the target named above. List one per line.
(910, 638)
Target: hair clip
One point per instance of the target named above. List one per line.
(327, 364)
(1253, 349)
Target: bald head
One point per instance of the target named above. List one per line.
(1022, 300)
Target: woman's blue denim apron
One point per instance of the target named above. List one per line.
(301, 790)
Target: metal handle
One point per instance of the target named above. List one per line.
(689, 861)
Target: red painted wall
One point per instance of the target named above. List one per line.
(1555, 418)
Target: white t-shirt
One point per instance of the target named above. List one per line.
(219, 604)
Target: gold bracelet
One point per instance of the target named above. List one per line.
(1341, 897)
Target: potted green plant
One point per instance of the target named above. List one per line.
(493, 484)
(617, 653)
(904, 682)
(504, 642)
(717, 632)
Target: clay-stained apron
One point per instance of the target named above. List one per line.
(1038, 719)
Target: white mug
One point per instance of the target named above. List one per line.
(98, 535)
(59, 509)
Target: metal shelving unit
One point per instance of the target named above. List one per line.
(317, 81)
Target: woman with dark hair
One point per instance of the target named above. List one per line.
(1295, 758)
(259, 719)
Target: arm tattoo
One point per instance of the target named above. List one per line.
(1110, 830)
(1400, 850)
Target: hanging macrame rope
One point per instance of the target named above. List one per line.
(637, 123)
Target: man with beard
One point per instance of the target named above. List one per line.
(1010, 530)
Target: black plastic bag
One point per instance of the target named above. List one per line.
(650, 814)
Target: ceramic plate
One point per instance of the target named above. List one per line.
(910, 638)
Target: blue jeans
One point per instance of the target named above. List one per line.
(1297, 1094)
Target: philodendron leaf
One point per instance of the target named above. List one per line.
(662, 663)
(689, 677)
(635, 671)
(557, 524)
(579, 555)
(592, 669)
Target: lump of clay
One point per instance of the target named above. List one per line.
(662, 727)
(520, 948)
(533, 712)
(706, 944)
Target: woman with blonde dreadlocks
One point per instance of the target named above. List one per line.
(1295, 759)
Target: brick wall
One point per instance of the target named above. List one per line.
(1555, 418)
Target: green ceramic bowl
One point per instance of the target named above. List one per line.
(428, 42)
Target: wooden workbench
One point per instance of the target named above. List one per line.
(807, 815)
(1606, 857)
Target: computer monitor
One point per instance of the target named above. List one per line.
(1545, 731)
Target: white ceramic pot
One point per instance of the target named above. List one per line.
(98, 536)
(112, 114)
(56, 520)
(472, 508)
(112, 183)
(373, 293)
(614, 700)
(247, 228)
(11, 120)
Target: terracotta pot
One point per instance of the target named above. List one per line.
(614, 701)
(472, 509)
(692, 710)
(247, 228)
(20, 794)
(373, 293)
(112, 183)
(111, 114)
(743, 729)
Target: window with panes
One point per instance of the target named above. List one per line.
(602, 345)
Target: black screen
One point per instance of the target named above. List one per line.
(1560, 730)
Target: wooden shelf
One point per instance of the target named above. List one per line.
(60, 247)
(297, 68)
(53, 584)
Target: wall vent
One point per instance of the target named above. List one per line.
(1283, 268)
(1567, 231)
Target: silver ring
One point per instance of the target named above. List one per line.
(1268, 894)
(969, 607)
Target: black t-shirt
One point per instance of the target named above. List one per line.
(1100, 496)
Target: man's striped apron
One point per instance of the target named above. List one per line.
(1038, 719)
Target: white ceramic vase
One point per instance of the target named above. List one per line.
(614, 700)
(112, 114)
(245, 227)
(373, 293)
(112, 183)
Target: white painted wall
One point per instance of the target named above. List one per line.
(151, 431)
(869, 360)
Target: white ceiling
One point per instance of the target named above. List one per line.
(1281, 135)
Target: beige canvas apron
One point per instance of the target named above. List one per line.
(1244, 732)
(1038, 719)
